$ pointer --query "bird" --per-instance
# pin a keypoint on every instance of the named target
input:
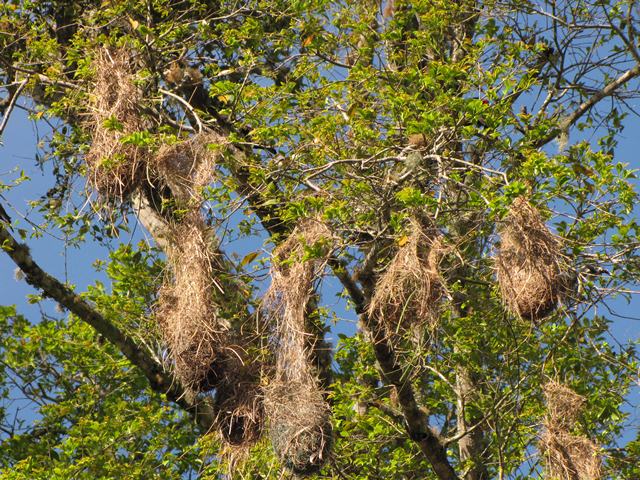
(4, 216)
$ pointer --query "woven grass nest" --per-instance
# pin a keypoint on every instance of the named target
(564, 406)
(567, 456)
(239, 404)
(408, 294)
(198, 338)
(299, 416)
(187, 311)
(206, 353)
(570, 457)
(300, 425)
(530, 267)
(114, 168)
(188, 166)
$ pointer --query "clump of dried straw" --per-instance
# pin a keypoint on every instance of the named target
(564, 406)
(300, 425)
(114, 168)
(188, 166)
(529, 263)
(567, 456)
(299, 416)
(239, 405)
(570, 457)
(197, 336)
(206, 352)
(408, 294)
(187, 310)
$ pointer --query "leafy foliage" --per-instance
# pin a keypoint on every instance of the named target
(367, 115)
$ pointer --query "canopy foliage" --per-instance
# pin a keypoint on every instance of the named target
(452, 165)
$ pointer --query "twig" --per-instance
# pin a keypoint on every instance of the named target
(608, 90)
(186, 105)
(9, 109)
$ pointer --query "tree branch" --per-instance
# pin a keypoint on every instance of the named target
(608, 90)
(12, 103)
(159, 380)
(416, 420)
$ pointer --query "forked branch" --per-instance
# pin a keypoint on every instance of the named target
(608, 90)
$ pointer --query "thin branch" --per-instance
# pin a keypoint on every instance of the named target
(339, 269)
(416, 420)
(9, 109)
(186, 105)
(608, 90)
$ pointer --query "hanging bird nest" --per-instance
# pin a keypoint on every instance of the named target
(530, 267)
(286, 302)
(239, 403)
(564, 406)
(408, 294)
(567, 456)
(570, 457)
(187, 311)
(114, 169)
(299, 416)
(300, 425)
(205, 351)
(188, 166)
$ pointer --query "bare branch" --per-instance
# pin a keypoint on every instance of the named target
(416, 420)
(186, 105)
(608, 90)
(10, 106)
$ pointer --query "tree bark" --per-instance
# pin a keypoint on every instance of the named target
(416, 420)
(471, 443)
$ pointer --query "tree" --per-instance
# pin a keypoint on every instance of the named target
(452, 164)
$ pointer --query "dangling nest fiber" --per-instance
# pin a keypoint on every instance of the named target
(186, 309)
(188, 166)
(239, 405)
(408, 294)
(567, 456)
(113, 168)
(299, 416)
(529, 263)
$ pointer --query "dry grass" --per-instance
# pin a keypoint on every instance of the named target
(529, 263)
(567, 456)
(198, 338)
(300, 425)
(186, 309)
(292, 277)
(188, 166)
(570, 457)
(206, 352)
(564, 406)
(300, 430)
(114, 169)
(408, 294)
(239, 404)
